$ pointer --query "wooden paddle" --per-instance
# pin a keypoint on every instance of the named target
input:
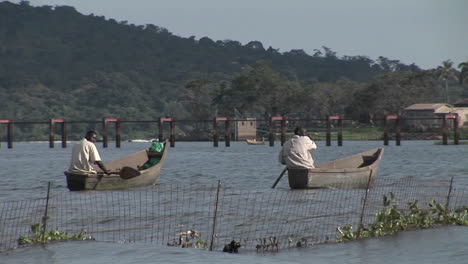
(281, 175)
(128, 173)
(124, 173)
(98, 181)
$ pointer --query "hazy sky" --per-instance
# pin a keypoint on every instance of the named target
(424, 32)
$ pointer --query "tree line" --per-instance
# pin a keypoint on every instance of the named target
(58, 63)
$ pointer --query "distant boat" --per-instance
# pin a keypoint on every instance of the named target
(350, 172)
(128, 177)
(142, 140)
(254, 142)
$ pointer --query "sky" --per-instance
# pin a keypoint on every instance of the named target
(424, 32)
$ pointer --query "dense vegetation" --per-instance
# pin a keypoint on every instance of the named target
(392, 219)
(58, 63)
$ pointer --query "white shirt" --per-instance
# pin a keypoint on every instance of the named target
(84, 154)
(295, 152)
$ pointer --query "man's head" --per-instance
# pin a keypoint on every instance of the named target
(300, 131)
(91, 136)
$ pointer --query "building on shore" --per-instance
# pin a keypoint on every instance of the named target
(425, 117)
(246, 129)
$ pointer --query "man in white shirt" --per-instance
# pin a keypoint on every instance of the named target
(295, 153)
(85, 155)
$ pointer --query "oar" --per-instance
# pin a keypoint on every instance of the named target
(124, 173)
(128, 173)
(99, 176)
(281, 175)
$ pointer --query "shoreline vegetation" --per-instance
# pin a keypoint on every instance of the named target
(393, 219)
(79, 71)
(370, 134)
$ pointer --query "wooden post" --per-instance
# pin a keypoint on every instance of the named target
(117, 131)
(455, 130)
(52, 128)
(447, 203)
(104, 133)
(51, 132)
(283, 131)
(215, 132)
(385, 135)
(398, 131)
(64, 134)
(173, 131)
(328, 134)
(444, 130)
(454, 117)
(272, 129)
(340, 131)
(45, 217)
(9, 137)
(227, 132)
(215, 215)
(364, 204)
(161, 129)
(271, 136)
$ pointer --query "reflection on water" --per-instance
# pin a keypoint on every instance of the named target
(28, 167)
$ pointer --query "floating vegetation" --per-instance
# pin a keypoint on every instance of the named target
(39, 236)
(392, 219)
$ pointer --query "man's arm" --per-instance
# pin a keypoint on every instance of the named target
(310, 144)
(96, 158)
(102, 167)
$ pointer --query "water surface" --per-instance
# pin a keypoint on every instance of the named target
(28, 167)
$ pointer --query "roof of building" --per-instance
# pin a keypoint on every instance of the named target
(462, 102)
(438, 107)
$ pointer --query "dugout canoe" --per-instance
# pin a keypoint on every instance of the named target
(350, 172)
(84, 181)
(254, 142)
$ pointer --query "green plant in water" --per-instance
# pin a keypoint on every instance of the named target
(392, 220)
(202, 244)
(38, 236)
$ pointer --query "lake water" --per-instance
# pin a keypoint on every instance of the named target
(28, 167)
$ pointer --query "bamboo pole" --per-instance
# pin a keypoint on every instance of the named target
(214, 216)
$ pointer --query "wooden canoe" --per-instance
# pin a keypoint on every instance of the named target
(254, 142)
(350, 172)
(83, 181)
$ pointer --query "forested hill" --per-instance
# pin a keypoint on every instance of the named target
(58, 63)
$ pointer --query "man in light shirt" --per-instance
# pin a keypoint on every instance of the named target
(295, 153)
(85, 155)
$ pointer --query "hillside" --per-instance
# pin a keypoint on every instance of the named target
(57, 62)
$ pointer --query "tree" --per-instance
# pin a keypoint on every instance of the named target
(103, 67)
(445, 73)
(388, 65)
(257, 89)
(392, 92)
(333, 98)
(463, 72)
(198, 98)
